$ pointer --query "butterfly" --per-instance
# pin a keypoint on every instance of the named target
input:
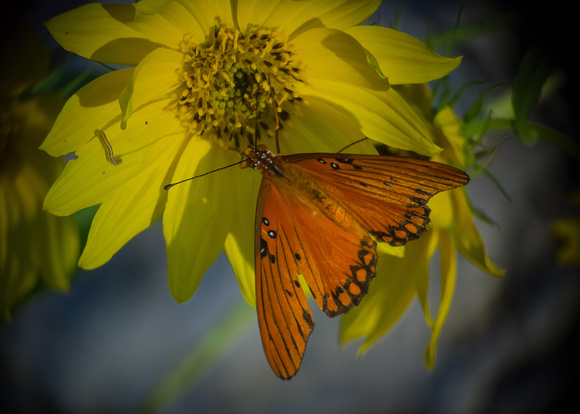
(320, 216)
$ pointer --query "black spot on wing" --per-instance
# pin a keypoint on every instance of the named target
(349, 161)
(265, 252)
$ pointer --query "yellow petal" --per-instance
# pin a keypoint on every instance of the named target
(341, 14)
(56, 246)
(239, 245)
(187, 17)
(441, 211)
(168, 25)
(289, 16)
(100, 32)
(151, 6)
(155, 78)
(322, 127)
(92, 178)
(467, 238)
(209, 14)
(448, 276)
(424, 248)
(567, 232)
(389, 296)
(332, 55)
(95, 106)
(402, 58)
(452, 141)
(197, 217)
(38, 251)
(133, 206)
(383, 116)
(386, 248)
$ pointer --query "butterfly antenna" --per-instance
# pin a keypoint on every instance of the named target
(353, 143)
(168, 186)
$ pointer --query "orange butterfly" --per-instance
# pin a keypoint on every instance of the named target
(320, 216)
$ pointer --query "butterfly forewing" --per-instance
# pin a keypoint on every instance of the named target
(388, 195)
(283, 313)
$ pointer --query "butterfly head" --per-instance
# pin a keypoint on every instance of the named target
(260, 158)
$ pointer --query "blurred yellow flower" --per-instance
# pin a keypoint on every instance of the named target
(451, 229)
(37, 250)
(207, 79)
(567, 233)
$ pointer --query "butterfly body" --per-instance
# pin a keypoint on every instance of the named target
(320, 216)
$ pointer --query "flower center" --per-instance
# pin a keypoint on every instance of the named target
(237, 81)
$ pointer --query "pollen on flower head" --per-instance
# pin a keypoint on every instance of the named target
(235, 81)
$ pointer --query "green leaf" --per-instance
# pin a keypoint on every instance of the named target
(532, 74)
(559, 140)
(497, 183)
(465, 31)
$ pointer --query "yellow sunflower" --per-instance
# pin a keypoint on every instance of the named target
(207, 79)
(37, 249)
